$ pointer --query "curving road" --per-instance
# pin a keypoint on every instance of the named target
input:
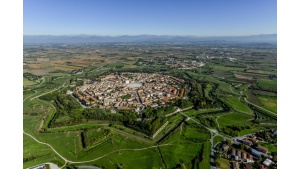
(48, 146)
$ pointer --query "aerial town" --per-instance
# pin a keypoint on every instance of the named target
(129, 91)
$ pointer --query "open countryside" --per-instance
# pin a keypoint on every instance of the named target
(167, 112)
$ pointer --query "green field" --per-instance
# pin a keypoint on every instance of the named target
(119, 150)
(249, 131)
(35, 153)
(224, 68)
(238, 119)
(193, 133)
(237, 105)
(267, 83)
(205, 164)
(193, 112)
(27, 82)
(269, 103)
(223, 86)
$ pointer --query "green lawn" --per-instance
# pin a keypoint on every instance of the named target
(269, 103)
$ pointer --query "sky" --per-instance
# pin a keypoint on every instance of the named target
(152, 17)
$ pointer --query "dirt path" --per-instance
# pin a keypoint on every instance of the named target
(233, 91)
(48, 146)
(48, 92)
(42, 82)
(137, 149)
(29, 96)
(218, 122)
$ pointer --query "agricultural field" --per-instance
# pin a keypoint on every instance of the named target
(237, 105)
(194, 112)
(225, 68)
(27, 82)
(269, 103)
(267, 83)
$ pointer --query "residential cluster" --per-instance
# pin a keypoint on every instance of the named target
(174, 63)
(186, 64)
(250, 154)
(129, 91)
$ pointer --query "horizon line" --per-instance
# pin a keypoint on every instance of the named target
(155, 35)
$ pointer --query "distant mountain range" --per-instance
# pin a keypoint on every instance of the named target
(264, 38)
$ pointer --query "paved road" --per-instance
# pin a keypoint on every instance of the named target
(212, 151)
(209, 129)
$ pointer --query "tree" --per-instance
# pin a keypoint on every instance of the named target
(242, 146)
(228, 142)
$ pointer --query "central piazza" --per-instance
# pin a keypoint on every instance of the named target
(129, 91)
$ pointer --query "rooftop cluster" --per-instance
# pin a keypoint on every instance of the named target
(129, 91)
